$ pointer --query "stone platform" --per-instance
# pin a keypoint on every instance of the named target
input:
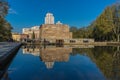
(6, 48)
(7, 53)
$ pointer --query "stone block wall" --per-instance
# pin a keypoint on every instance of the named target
(55, 31)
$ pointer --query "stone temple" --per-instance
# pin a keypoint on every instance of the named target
(49, 31)
(54, 33)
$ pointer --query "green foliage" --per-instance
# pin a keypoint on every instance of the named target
(33, 35)
(80, 33)
(105, 28)
(106, 25)
(5, 27)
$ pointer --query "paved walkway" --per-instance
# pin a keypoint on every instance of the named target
(6, 47)
(6, 50)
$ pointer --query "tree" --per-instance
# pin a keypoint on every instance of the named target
(106, 27)
(3, 8)
(5, 27)
(102, 26)
(80, 32)
(33, 35)
(116, 21)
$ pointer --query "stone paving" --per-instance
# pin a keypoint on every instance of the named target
(6, 47)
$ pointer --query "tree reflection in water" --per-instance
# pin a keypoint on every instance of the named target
(106, 58)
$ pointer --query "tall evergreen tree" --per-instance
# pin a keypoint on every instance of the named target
(33, 35)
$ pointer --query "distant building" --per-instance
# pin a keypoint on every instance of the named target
(24, 37)
(58, 22)
(49, 19)
(50, 32)
(54, 33)
(34, 31)
(16, 36)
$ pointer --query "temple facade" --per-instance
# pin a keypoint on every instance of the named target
(54, 33)
(33, 32)
(49, 31)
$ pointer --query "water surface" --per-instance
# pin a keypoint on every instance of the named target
(65, 63)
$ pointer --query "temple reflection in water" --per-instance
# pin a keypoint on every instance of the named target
(49, 55)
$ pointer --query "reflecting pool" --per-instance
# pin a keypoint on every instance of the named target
(65, 63)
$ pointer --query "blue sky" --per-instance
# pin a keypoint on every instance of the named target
(28, 13)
